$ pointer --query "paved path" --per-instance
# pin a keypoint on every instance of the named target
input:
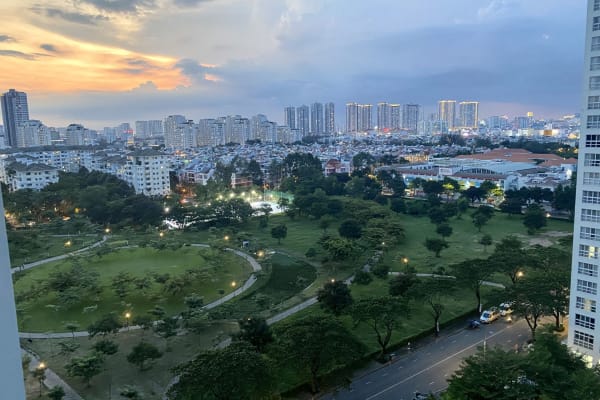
(62, 335)
(52, 379)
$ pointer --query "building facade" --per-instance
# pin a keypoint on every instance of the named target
(469, 114)
(410, 117)
(329, 118)
(384, 117)
(15, 111)
(447, 113)
(317, 122)
(147, 171)
(303, 120)
(584, 332)
(289, 117)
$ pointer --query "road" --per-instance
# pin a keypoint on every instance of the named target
(426, 369)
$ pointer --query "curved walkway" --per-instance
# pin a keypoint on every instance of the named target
(62, 335)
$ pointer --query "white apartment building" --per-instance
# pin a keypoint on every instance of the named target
(584, 331)
(148, 172)
(29, 176)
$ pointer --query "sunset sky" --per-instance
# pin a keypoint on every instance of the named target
(103, 62)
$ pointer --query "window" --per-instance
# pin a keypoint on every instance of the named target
(583, 340)
(587, 269)
(592, 160)
(588, 251)
(596, 43)
(591, 178)
(594, 82)
(592, 140)
(589, 233)
(594, 101)
(596, 5)
(590, 197)
(596, 24)
(593, 121)
(585, 321)
(590, 215)
(585, 304)
(594, 63)
(587, 286)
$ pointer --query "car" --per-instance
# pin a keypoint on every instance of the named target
(506, 308)
(489, 316)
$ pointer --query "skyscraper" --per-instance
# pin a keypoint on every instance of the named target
(329, 118)
(351, 117)
(469, 114)
(410, 117)
(11, 378)
(289, 117)
(316, 119)
(303, 120)
(384, 117)
(447, 113)
(395, 117)
(584, 332)
(14, 112)
(365, 117)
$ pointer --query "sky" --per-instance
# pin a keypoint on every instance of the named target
(103, 62)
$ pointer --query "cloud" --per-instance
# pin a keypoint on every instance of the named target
(189, 3)
(49, 47)
(496, 8)
(197, 72)
(17, 54)
(76, 17)
(6, 38)
(119, 6)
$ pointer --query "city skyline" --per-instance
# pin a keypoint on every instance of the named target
(142, 60)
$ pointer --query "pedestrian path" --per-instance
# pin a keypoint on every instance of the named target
(51, 379)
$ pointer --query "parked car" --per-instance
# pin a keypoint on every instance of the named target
(473, 324)
(506, 308)
(489, 316)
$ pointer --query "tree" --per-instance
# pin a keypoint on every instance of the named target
(472, 274)
(381, 270)
(362, 277)
(362, 163)
(121, 284)
(512, 205)
(437, 215)
(564, 199)
(444, 230)
(279, 232)
(350, 229)
(325, 222)
(339, 248)
(398, 206)
(144, 321)
(72, 327)
(534, 218)
(401, 284)
(236, 372)
(142, 352)
(482, 216)
(436, 245)
(383, 315)
(314, 344)
(334, 297)
(433, 292)
(255, 331)
(106, 325)
(485, 241)
(531, 299)
(106, 347)
(86, 367)
(166, 328)
(56, 393)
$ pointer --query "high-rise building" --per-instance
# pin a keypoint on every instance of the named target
(365, 117)
(469, 114)
(15, 111)
(316, 119)
(329, 118)
(584, 322)
(351, 117)
(447, 113)
(410, 117)
(33, 133)
(395, 117)
(173, 137)
(289, 117)
(303, 120)
(384, 117)
(11, 378)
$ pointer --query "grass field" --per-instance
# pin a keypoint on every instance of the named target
(119, 372)
(220, 269)
(45, 246)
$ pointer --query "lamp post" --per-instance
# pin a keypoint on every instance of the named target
(127, 317)
(40, 374)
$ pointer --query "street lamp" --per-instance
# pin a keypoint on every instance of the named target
(40, 374)
(127, 316)
(107, 231)
(162, 234)
(68, 243)
(226, 237)
(520, 274)
(233, 284)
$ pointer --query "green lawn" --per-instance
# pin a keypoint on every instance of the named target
(220, 269)
(119, 372)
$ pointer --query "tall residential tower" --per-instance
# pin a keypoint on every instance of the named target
(584, 332)
(14, 112)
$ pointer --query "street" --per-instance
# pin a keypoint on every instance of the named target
(426, 369)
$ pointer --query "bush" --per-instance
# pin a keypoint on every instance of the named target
(381, 271)
(362, 277)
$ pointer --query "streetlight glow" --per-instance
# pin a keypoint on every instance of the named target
(520, 274)
(233, 284)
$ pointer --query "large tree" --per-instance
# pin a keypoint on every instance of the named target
(313, 345)
(383, 315)
(255, 331)
(106, 325)
(279, 232)
(472, 274)
(143, 352)
(86, 367)
(534, 218)
(434, 292)
(436, 245)
(510, 257)
(334, 296)
(531, 297)
(236, 372)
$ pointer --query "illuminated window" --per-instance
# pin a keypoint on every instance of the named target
(587, 286)
(596, 24)
(594, 101)
(590, 215)
(583, 340)
(585, 321)
(594, 82)
(590, 197)
(594, 63)
(591, 178)
(587, 269)
(591, 160)
(588, 251)
(595, 43)
(585, 304)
